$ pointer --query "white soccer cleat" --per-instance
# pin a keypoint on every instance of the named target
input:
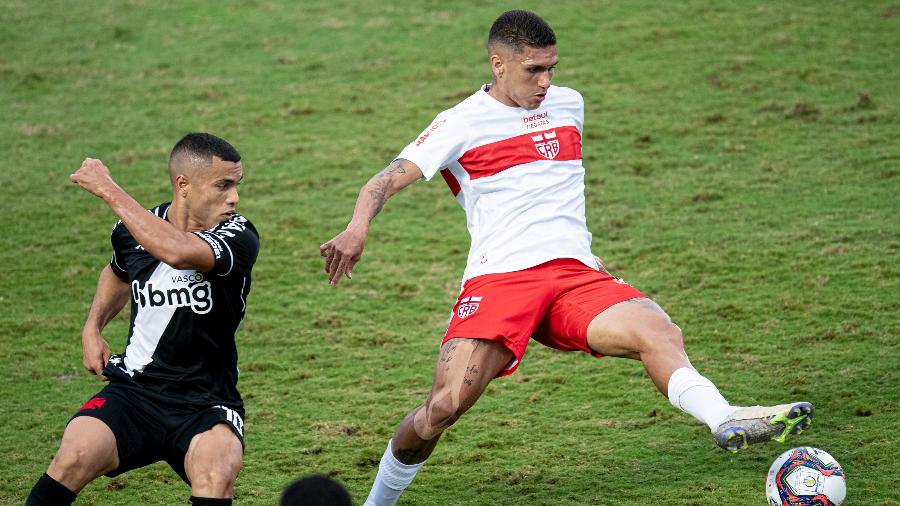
(757, 424)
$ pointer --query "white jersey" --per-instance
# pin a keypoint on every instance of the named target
(518, 175)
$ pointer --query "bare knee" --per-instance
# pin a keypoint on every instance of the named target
(664, 337)
(71, 458)
(465, 368)
(74, 466)
(444, 412)
(88, 450)
(632, 329)
(215, 477)
(438, 413)
(213, 462)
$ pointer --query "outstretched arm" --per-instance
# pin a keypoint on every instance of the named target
(180, 249)
(111, 295)
(344, 250)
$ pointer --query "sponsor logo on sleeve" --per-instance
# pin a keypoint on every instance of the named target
(231, 227)
(430, 130)
(227, 230)
(213, 243)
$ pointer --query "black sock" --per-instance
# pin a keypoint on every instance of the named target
(207, 501)
(49, 492)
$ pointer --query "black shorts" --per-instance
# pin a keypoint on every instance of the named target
(150, 427)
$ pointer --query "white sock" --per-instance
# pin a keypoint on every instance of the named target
(692, 393)
(393, 476)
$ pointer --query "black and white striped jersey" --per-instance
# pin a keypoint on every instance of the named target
(183, 322)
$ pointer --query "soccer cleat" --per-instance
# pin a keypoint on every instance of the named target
(757, 424)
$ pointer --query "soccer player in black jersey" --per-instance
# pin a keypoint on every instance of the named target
(172, 393)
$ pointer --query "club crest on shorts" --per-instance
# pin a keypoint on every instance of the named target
(468, 306)
(95, 403)
(547, 144)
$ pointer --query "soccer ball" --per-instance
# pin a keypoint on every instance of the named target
(805, 476)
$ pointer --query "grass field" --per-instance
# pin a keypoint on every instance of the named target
(743, 168)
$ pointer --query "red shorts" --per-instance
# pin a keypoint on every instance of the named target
(553, 303)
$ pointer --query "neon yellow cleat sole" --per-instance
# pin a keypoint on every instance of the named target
(758, 424)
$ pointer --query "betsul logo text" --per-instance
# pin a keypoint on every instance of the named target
(186, 290)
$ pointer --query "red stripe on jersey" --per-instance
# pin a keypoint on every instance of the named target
(562, 144)
(451, 181)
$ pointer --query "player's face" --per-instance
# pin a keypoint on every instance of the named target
(524, 77)
(214, 195)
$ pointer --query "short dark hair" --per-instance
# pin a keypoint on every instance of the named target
(196, 150)
(316, 490)
(518, 28)
(206, 146)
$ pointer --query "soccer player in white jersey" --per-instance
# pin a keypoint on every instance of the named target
(511, 154)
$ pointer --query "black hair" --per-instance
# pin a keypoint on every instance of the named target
(204, 146)
(316, 490)
(518, 28)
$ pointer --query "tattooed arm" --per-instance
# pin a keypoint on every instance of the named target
(344, 250)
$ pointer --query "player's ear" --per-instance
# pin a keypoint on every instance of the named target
(496, 65)
(181, 185)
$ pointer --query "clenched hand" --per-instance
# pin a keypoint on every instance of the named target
(96, 354)
(93, 176)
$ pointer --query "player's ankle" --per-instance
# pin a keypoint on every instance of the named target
(392, 479)
(49, 492)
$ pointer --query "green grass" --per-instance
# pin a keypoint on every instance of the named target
(742, 168)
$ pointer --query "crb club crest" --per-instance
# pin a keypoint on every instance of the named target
(468, 306)
(547, 144)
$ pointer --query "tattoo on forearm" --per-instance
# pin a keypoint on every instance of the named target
(379, 194)
(381, 183)
(394, 168)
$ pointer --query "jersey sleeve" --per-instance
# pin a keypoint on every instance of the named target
(442, 143)
(235, 245)
(117, 261)
(579, 117)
